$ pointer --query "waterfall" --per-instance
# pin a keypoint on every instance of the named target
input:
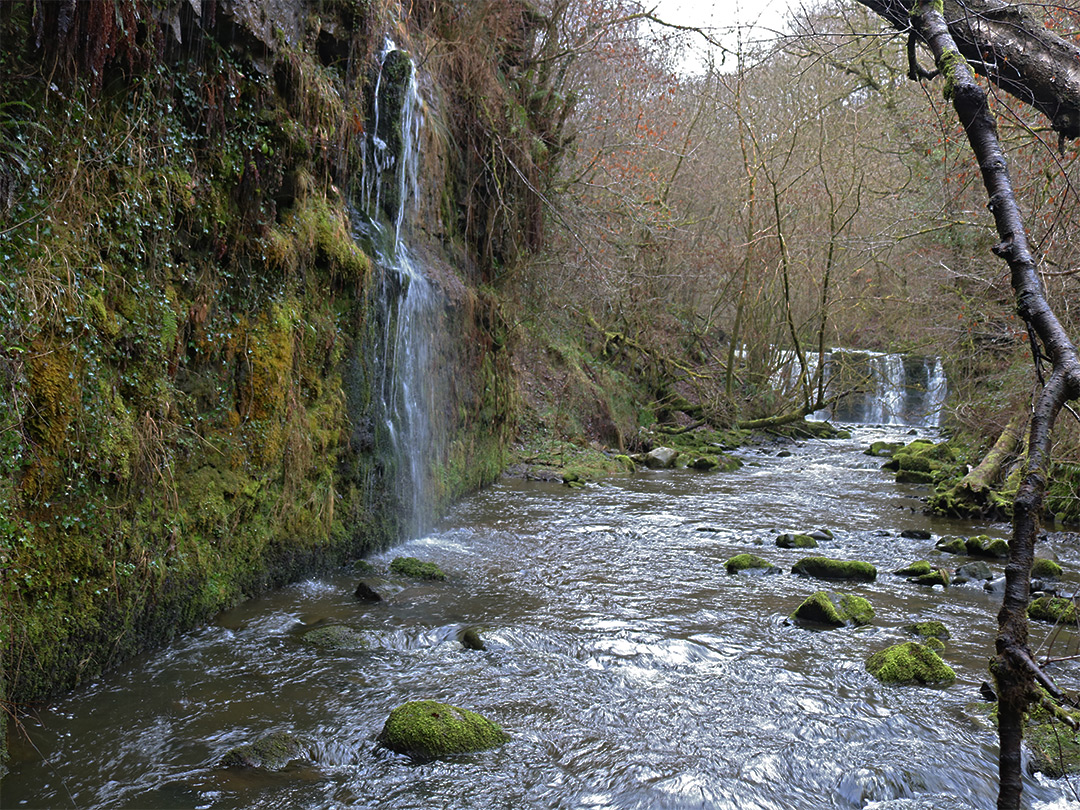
(884, 388)
(407, 306)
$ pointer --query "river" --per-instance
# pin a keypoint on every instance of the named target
(630, 669)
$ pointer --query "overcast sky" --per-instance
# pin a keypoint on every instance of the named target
(760, 18)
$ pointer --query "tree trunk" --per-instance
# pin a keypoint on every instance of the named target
(1014, 668)
(971, 495)
(1013, 50)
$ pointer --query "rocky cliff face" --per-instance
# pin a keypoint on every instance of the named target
(189, 411)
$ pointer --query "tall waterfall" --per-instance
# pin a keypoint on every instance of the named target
(407, 306)
(884, 388)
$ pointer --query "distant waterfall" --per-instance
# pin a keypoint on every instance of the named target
(884, 388)
(407, 304)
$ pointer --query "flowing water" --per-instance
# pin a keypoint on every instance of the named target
(630, 669)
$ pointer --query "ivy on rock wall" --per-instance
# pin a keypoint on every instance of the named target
(183, 311)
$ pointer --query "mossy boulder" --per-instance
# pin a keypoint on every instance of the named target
(703, 463)
(826, 568)
(270, 753)
(1055, 748)
(750, 562)
(413, 568)
(923, 462)
(939, 576)
(796, 541)
(980, 545)
(834, 609)
(1046, 569)
(425, 729)
(951, 545)
(882, 449)
(335, 637)
(916, 569)
(1053, 609)
(909, 662)
(929, 629)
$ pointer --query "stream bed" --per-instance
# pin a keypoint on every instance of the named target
(630, 669)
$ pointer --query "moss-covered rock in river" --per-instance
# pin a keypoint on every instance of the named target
(980, 545)
(1046, 569)
(928, 629)
(834, 609)
(1054, 746)
(923, 462)
(826, 568)
(270, 753)
(883, 449)
(938, 576)
(750, 562)
(977, 571)
(788, 540)
(413, 568)
(909, 662)
(1053, 609)
(425, 729)
(916, 569)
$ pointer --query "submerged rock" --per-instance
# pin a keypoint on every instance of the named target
(834, 609)
(796, 541)
(909, 662)
(270, 753)
(915, 534)
(826, 568)
(470, 639)
(415, 569)
(335, 637)
(750, 562)
(425, 729)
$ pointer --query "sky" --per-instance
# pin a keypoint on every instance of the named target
(761, 17)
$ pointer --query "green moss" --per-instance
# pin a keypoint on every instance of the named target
(1054, 746)
(415, 569)
(938, 576)
(271, 753)
(883, 448)
(1043, 568)
(425, 729)
(1053, 609)
(748, 562)
(825, 568)
(796, 541)
(835, 610)
(930, 629)
(909, 662)
(916, 569)
(948, 64)
(951, 545)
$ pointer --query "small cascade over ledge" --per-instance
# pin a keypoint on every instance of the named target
(406, 305)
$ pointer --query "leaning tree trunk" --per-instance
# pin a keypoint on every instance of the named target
(1013, 666)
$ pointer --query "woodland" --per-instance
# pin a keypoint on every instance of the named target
(641, 241)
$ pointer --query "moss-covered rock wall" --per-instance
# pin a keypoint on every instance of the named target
(186, 407)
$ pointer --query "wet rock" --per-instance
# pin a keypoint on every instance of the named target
(977, 571)
(826, 568)
(415, 569)
(916, 534)
(821, 535)
(375, 589)
(751, 563)
(270, 753)
(909, 662)
(938, 576)
(834, 609)
(996, 585)
(986, 691)
(885, 449)
(796, 541)
(661, 458)
(916, 569)
(980, 545)
(928, 629)
(335, 637)
(470, 639)
(424, 729)
(1053, 609)
(784, 454)
(572, 480)
(1046, 569)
